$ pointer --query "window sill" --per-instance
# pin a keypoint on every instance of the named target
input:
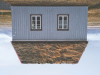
(36, 29)
(62, 29)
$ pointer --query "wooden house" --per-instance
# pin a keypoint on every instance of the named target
(49, 32)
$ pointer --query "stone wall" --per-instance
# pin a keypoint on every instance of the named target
(50, 52)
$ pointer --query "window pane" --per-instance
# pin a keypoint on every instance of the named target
(38, 22)
(65, 18)
(65, 26)
(65, 22)
(60, 26)
(38, 18)
(60, 22)
(33, 26)
(60, 18)
(38, 26)
(33, 18)
(33, 22)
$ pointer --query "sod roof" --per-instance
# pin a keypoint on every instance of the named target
(50, 52)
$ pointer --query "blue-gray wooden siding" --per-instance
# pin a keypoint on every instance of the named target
(77, 23)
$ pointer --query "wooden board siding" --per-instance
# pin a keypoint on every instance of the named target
(77, 23)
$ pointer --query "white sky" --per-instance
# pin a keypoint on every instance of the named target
(89, 63)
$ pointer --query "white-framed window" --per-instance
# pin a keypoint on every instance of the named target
(63, 22)
(36, 22)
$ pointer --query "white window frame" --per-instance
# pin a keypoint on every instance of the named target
(63, 22)
(36, 21)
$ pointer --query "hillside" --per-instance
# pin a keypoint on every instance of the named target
(90, 3)
(93, 8)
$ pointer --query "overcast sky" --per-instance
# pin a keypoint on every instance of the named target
(89, 63)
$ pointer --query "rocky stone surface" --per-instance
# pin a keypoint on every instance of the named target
(4, 5)
(50, 52)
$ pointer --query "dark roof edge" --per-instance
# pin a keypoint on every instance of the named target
(47, 41)
(49, 5)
